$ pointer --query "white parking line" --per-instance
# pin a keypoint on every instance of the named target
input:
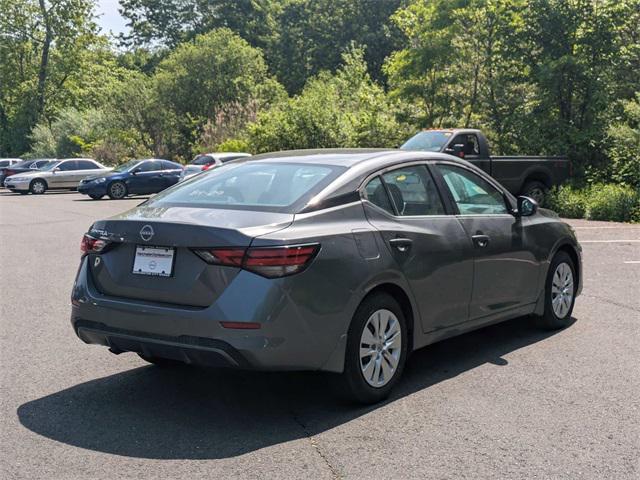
(609, 241)
(632, 261)
(625, 227)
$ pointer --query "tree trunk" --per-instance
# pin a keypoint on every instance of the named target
(44, 60)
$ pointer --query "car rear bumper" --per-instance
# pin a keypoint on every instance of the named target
(288, 338)
(193, 350)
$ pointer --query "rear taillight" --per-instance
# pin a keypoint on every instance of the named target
(90, 244)
(270, 262)
(8, 173)
(208, 166)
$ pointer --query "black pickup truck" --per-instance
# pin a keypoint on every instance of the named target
(529, 176)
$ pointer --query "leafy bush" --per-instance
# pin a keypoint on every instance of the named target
(613, 203)
(610, 202)
(624, 145)
(567, 202)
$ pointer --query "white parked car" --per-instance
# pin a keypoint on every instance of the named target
(206, 161)
(60, 175)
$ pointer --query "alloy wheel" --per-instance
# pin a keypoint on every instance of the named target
(562, 290)
(380, 348)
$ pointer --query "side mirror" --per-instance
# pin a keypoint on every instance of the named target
(526, 207)
(456, 150)
(57, 169)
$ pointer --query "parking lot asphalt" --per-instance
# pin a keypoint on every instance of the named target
(509, 401)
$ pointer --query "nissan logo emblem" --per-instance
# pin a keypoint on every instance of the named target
(147, 233)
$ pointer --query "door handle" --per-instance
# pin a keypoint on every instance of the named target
(402, 244)
(480, 241)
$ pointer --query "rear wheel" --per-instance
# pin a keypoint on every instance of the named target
(376, 350)
(161, 362)
(560, 292)
(117, 190)
(38, 186)
(536, 190)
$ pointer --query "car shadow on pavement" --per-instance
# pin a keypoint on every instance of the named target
(189, 413)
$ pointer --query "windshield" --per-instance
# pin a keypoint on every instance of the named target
(431, 141)
(279, 187)
(126, 166)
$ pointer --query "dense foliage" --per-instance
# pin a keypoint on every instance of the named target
(539, 76)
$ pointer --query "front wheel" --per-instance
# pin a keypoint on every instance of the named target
(376, 350)
(560, 292)
(38, 187)
(117, 191)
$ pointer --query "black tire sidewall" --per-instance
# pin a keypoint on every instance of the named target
(353, 381)
(535, 184)
(550, 319)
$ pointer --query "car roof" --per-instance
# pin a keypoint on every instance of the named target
(347, 157)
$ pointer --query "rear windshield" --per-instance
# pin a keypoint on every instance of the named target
(278, 187)
(203, 160)
(430, 141)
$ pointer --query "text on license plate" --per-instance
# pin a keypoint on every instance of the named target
(156, 261)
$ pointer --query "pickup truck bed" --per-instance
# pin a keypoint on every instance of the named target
(531, 176)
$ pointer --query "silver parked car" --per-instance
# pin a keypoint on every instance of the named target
(341, 261)
(59, 175)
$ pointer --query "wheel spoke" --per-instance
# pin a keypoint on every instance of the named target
(367, 338)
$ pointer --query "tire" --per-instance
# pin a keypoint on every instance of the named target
(536, 190)
(96, 197)
(162, 362)
(352, 382)
(38, 186)
(117, 190)
(559, 293)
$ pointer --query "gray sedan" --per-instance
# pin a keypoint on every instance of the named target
(343, 261)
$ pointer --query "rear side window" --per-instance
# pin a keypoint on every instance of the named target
(472, 194)
(413, 191)
(5, 163)
(283, 187)
(377, 194)
(86, 165)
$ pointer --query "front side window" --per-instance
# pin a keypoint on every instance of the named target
(148, 166)
(281, 187)
(68, 166)
(472, 194)
(377, 194)
(413, 191)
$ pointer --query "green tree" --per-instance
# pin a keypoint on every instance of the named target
(345, 109)
(214, 74)
(40, 45)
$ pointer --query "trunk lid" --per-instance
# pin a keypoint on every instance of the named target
(192, 282)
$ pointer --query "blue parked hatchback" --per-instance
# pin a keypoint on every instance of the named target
(134, 177)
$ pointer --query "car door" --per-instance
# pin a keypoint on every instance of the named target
(146, 178)
(428, 243)
(505, 268)
(62, 175)
(170, 173)
(84, 169)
